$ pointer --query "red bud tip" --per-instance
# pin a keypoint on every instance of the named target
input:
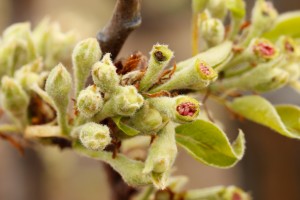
(186, 109)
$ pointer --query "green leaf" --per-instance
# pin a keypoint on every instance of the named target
(125, 128)
(286, 24)
(290, 116)
(210, 145)
(282, 119)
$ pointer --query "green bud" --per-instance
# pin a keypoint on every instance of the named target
(233, 193)
(58, 86)
(160, 57)
(85, 54)
(105, 76)
(288, 46)
(147, 120)
(181, 109)
(196, 76)
(94, 136)
(217, 8)
(27, 75)
(199, 5)
(263, 18)
(25, 49)
(89, 101)
(213, 31)
(7, 59)
(161, 155)
(14, 100)
(125, 102)
(53, 45)
(237, 10)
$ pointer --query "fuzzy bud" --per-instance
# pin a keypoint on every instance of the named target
(127, 100)
(196, 76)
(263, 49)
(94, 136)
(160, 56)
(105, 76)
(85, 54)
(217, 8)
(213, 31)
(162, 154)
(234, 193)
(181, 109)
(89, 101)
(147, 120)
(58, 86)
(14, 100)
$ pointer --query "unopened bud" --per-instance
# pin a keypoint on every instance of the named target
(94, 136)
(160, 56)
(105, 76)
(213, 31)
(264, 49)
(147, 120)
(234, 193)
(58, 86)
(14, 100)
(89, 101)
(217, 8)
(85, 54)
(196, 76)
(162, 154)
(180, 109)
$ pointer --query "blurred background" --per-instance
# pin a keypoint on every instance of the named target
(270, 169)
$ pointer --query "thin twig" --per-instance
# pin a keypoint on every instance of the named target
(126, 18)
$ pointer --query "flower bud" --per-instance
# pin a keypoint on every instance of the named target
(213, 31)
(199, 5)
(89, 101)
(196, 76)
(264, 49)
(27, 75)
(127, 101)
(162, 154)
(51, 44)
(25, 49)
(94, 136)
(181, 109)
(263, 15)
(58, 86)
(234, 193)
(217, 8)
(288, 46)
(160, 56)
(263, 18)
(85, 54)
(7, 62)
(147, 120)
(14, 100)
(105, 76)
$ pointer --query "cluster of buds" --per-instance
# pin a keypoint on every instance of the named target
(257, 63)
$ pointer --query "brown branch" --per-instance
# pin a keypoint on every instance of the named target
(126, 18)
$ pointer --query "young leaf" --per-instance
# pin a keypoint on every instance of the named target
(125, 128)
(210, 145)
(285, 25)
(290, 116)
(282, 119)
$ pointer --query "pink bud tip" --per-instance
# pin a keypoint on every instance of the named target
(265, 49)
(186, 109)
(204, 69)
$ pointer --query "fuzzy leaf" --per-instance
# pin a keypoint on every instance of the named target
(125, 128)
(286, 24)
(282, 119)
(210, 145)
